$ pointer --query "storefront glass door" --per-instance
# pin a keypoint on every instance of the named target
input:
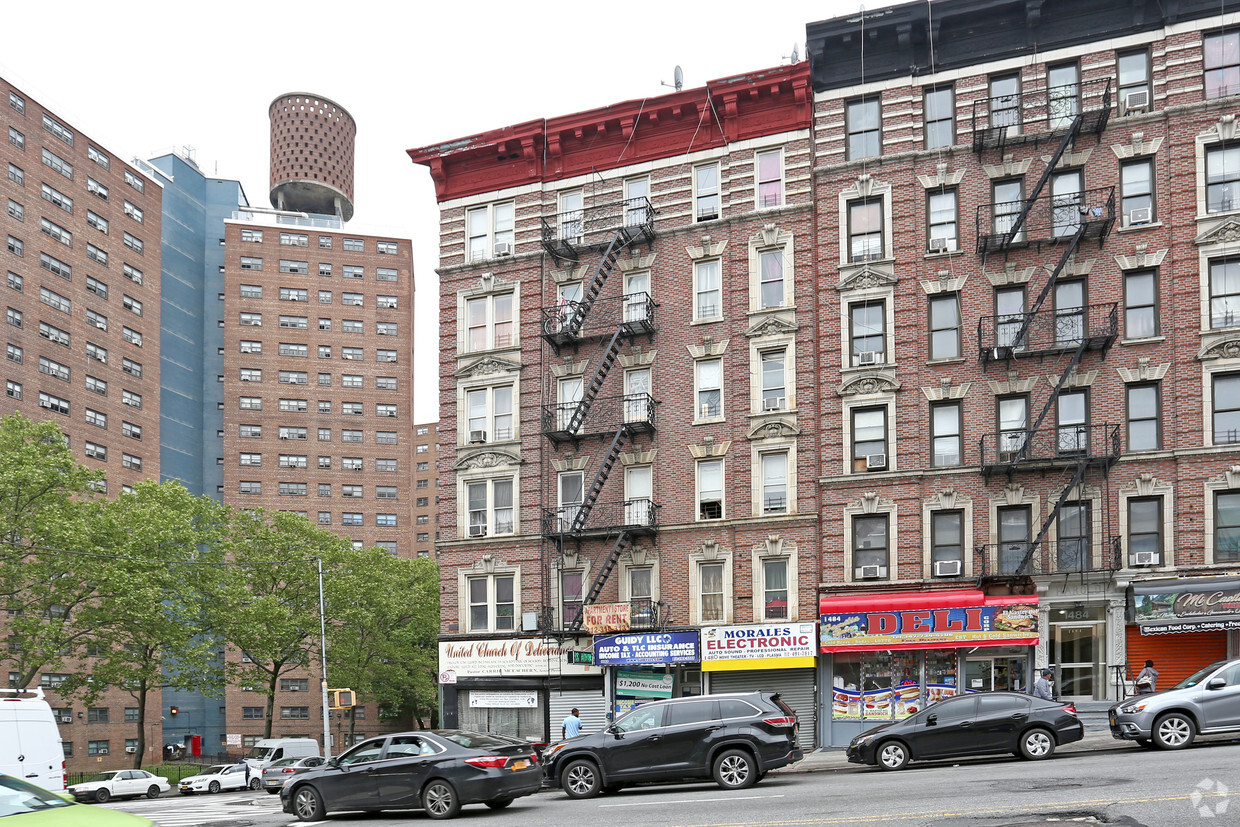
(1076, 649)
(1001, 674)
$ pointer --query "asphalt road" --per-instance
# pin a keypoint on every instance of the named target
(1125, 787)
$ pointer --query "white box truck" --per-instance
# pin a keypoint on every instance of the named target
(30, 746)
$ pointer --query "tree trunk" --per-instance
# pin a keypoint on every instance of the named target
(141, 753)
(271, 701)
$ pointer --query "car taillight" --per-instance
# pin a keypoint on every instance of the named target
(488, 761)
(533, 758)
(288, 769)
(1070, 709)
(784, 721)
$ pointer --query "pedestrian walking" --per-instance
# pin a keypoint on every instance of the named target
(1042, 689)
(571, 727)
(1147, 679)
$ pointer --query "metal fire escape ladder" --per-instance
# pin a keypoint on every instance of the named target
(596, 384)
(623, 541)
(600, 477)
(1073, 131)
(622, 239)
(1079, 474)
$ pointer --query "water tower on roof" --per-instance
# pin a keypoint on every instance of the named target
(312, 142)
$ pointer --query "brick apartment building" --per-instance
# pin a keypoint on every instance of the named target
(952, 364)
(425, 488)
(82, 327)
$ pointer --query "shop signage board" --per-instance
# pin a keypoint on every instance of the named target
(601, 618)
(654, 648)
(758, 646)
(643, 685)
(487, 699)
(510, 658)
(1187, 605)
(1006, 624)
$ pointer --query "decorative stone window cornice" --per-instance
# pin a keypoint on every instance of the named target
(871, 502)
(1219, 346)
(941, 178)
(1225, 231)
(1144, 371)
(489, 283)
(770, 236)
(947, 282)
(775, 324)
(1071, 159)
(867, 276)
(628, 265)
(639, 457)
(1074, 268)
(1010, 274)
(1013, 384)
(779, 428)
(1074, 380)
(868, 382)
(1141, 259)
(565, 275)
(488, 564)
(709, 347)
(707, 249)
(947, 500)
(485, 458)
(570, 462)
(1138, 147)
(946, 390)
(709, 448)
(487, 366)
(1010, 168)
(1145, 485)
(637, 359)
(577, 368)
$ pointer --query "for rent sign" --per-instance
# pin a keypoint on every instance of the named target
(758, 646)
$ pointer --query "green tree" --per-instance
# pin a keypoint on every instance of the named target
(383, 617)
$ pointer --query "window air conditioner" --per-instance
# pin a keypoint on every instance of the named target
(1136, 217)
(938, 245)
(502, 248)
(294, 688)
(706, 410)
(477, 531)
(1145, 558)
(875, 462)
(68, 719)
(773, 404)
(131, 750)
(102, 751)
(1136, 102)
(872, 572)
(477, 437)
(998, 353)
(867, 357)
(946, 568)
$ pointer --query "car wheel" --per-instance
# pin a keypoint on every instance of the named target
(213, 787)
(255, 783)
(152, 791)
(735, 770)
(308, 804)
(439, 799)
(580, 780)
(892, 755)
(1174, 731)
(102, 795)
(499, 803)
(1037, 744)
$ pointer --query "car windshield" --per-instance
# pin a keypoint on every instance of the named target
(17, 797)
(1199, 676)
(216, 770)
(476, 740)
(261, 753)
(103, 776)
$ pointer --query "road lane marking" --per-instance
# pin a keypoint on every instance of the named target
(663, 802)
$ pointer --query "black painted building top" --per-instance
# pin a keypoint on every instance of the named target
(896, 41)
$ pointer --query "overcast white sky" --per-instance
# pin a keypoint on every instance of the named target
(143, 78)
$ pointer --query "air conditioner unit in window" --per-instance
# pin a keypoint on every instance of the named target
(998, 353)
(477, 531)
(1136, 102)
(868, 357)
(1137, 217)
(503, 248)
(68, 719)
(938, 245)
(477, 437)
(1145, 558)
(131, 750)
(773, 404)
(875, 462)
(946, 568)
(294, 688)
(872, 572)
(101, 751)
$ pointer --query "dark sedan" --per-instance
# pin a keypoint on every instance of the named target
(437, 771)
(982, 724)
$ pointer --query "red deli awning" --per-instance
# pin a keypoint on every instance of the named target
(926, 620)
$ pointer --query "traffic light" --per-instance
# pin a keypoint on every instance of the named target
(340, 698)
(173, 711)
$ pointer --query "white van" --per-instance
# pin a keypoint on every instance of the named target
(29, 739)
(269, 750)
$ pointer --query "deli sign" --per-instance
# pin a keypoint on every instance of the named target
(956, 626)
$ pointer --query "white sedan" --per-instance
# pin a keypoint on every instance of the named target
(119, 784)
(221, 777)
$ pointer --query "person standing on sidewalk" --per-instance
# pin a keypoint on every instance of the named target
(1147, 679)
(571, 727)
(1042, 689)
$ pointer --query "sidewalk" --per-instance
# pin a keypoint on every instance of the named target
(831, 759)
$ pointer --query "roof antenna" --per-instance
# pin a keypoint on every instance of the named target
(678, 80)
(795, 57)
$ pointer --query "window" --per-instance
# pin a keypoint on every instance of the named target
(1134, 82)
(133, 242)
(57, 198)
(294, 322)
(351, 354)
(943, 236)
(293, 405)
(940, 115)
(1144, 432)
(128, 429)
(708, 290)
(351, 326)
(863, 127)
(93, 384)
(325, 324)
(385, 274)
(773, 365)
(709, 380)
(299, 713)
(1013, 412)
(1225, 293)
(710, 489)
(287, 432)
(870, 547)
(570, 215)
(351, 408)
(97, 189)
(1005, 102)
(946, 439)
(706, 195)
(54, 334)
(13, 353)
(1226, 409)
(1140, 304)
(490, 230)
(865, 230)
(385, 520)
(770, 169)
(325, 379)
(97, 451)
(287, 349)
(292, 489)
(13, 317)
(350, 435)
(325, 269)
(131, 367)
(55, 300)
(300, 267)
(1063, 82)
(1222, 178)
(1227, 527)
(1137, 192)
(16, 138)
(99, 420)
(1073, 551)
(1007, 196)
(17, 211)
(771, 267)
(251, 431)
(130, 461)
(133, 212)
(386, 248)
(255, 460)
(132, 305)
(385, 328)
(56, 232)
(17, 176)
(54, 403)
(351, 380)
(711, 593)
(1010, 316)
(51, 159)
(351, 300)
(490, 507)
(292, 294)
(869, 436)
(868, 323)
(293, 377)
(133, 400)
(12, 389)
(489, 322)
(16, 247)
(294, 240)
(385, 438)
(945, 326)
(492, 603)
(54, 266)
(251, 319)
(56, 370)
(95, 254)
(1066, 190)
(132, 273)
(775, 483)
(385, 302)
(947, 540)
(1145, 529)
(385, 383)
(384, 409)
(131, 336)
(353, 271)
(251, 375)
(1221, 54)
(251, 346)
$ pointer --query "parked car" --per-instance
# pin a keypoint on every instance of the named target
(30, 745)
(734, 738)
(1205, 703)
(438, 771)
(220, 777)
(22, 804)
(120, 784)
(985, 723)
(276, 775)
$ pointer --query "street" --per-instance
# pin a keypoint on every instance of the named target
(1126, 785)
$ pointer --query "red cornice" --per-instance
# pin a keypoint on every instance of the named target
(730, 109)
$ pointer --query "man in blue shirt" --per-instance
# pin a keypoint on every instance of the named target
(571, 727)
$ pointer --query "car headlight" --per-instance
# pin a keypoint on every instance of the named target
(550, 753)
(862, 739)
(1133, 708)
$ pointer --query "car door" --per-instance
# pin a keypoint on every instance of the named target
(233, 778)
(405, 766)
(946, 729)
(123, 783)
(634, 745)
(690, 729)
(1220, 705)
(998, 721)
(350, 784)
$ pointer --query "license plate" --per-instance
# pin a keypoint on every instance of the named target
(520, 765)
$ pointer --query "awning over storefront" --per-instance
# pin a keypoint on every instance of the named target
(927, 620)
(1188, 604)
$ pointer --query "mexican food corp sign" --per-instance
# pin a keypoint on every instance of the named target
(758, 646)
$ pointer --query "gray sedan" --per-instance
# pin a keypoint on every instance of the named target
(1205, 703)
(276, 774)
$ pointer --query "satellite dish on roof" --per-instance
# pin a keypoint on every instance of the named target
(795, 57)
(678, 80)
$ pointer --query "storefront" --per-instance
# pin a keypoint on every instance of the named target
(642, 667)
(766, 658)
(886, 656)
(1183, 624)
(520, 687)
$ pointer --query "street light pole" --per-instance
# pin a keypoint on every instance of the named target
(327, 732)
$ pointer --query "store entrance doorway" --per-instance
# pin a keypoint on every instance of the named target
(1002, 674)
(1076, 649)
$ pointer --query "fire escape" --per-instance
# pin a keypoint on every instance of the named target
(612, 420)
(1059, 219)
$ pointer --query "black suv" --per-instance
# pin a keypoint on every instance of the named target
(734, 738)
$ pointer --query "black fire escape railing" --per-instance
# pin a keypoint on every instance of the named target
(633, 311)
(639, 515)
(633, 410)
(1050, 447)
(1066, 556)
(1017, 335)
(1041, 115)
(1049, 219)
(567, 235)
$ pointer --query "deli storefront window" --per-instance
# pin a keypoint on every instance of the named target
(890, 685)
